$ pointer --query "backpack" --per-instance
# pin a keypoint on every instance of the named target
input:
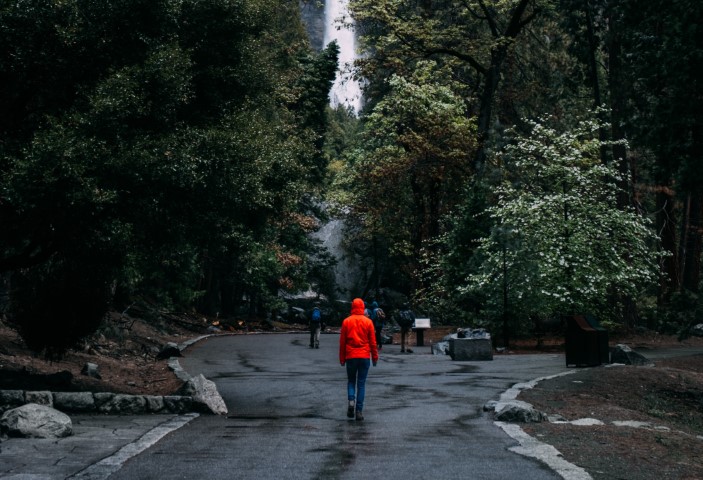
(316, 315)
(377, 316)
(406, 319)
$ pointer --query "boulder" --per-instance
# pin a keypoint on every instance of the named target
(623, 354)
(204, 392)
(168, 351)
(91, 370)
(518, 411)
(697, 330)
(440, 348)
(37, 421)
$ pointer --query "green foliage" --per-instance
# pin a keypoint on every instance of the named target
(58, 303)
(411, 164)
(450, 260)
(681, 314)
(176, 138)
(559, 243)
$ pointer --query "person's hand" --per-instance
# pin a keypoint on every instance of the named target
(374, 363)
(341, 363)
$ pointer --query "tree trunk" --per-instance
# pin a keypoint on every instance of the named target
(666, 226)
(593, 74)
(492, 75)
(693, 240)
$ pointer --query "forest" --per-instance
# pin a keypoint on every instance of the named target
(514, 160)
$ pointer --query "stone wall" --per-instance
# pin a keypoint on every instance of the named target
(109, 403)
(114, 403)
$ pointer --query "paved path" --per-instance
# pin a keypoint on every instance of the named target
(288, 419)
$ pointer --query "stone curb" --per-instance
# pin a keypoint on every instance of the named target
(531, 447)
(110, 403)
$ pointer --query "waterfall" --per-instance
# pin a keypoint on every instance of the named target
(340, 26)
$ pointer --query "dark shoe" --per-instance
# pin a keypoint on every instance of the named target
(402, 351)
(410, 351)
(359, 416)
(350, 410)
(317, 346)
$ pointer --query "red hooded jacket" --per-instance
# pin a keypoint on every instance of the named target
(358, 339)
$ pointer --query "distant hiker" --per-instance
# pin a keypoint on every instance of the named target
(315, 326)
(378, 318)
(406, 320)
(357, 350)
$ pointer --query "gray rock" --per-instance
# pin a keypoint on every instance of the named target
(154, 404)
(74, 401)
(623, 354)
(518, 411)
(37, 421)
(178, 404)
(204, 392)
(102, 398)
(440, 348)
(168, 351)
(490, 406)
(175, 366)
(124, 405)
(11, 399)
(91, 370)
(697, 330)
(40, 398)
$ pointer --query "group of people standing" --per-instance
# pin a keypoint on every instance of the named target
(359, 343)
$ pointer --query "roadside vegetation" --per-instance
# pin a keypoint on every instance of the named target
(515, 161)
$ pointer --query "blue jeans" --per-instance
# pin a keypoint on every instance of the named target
(357, 370)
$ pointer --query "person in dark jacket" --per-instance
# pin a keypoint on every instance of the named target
(377, 316)
(406, 320)
(315, 326)
(357, 350)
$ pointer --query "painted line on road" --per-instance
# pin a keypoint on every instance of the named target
(530, 446)
(109, 465)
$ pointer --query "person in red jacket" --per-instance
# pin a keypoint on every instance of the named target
(357, 349)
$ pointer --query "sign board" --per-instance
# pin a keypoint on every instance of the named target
(422, 323)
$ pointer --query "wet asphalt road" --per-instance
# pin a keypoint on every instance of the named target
(287, 417)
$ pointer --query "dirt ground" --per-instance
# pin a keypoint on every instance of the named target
(125, 352)
(668, 396)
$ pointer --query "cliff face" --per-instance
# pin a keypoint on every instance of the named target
(313, 15)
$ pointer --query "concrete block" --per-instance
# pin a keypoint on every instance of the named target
(470, 349)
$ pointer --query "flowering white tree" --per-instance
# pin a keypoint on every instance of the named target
(560, 244)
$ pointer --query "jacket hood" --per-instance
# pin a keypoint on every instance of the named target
(374, 305)
(357, 307)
